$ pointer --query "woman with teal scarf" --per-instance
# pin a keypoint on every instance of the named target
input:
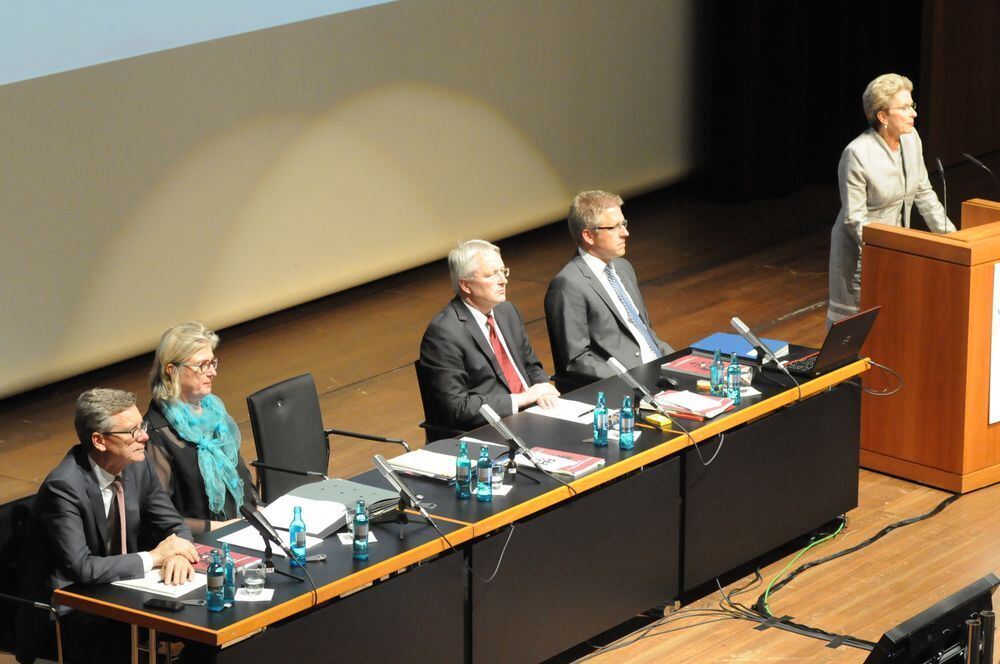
(193, 442)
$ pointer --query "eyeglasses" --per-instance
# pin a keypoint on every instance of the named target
(142, 427)
(908, 107)
(495, 276)
(622, 224)
(203, 367)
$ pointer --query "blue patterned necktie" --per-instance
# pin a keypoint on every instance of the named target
(633, 314)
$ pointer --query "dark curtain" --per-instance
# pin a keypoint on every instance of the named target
(786, 82)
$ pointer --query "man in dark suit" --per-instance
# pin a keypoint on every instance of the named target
(85, 527)
(476, 349)
(593, 307)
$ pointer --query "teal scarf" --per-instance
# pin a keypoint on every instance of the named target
(217, 438)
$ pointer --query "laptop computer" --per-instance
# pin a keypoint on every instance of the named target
(841, 347)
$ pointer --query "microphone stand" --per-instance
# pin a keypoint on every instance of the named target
(269, 563)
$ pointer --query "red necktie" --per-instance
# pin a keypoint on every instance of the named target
(509, 373)
(120, 501)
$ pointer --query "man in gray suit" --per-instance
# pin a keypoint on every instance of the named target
(593, 307)
(86, 523)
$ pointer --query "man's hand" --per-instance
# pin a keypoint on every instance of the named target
(544, 394)
(177, 570)
(173, 546)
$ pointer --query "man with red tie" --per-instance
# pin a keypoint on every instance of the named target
(476, 349)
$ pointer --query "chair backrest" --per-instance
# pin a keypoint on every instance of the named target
(288, 431)
(434, 430)
(14, 517)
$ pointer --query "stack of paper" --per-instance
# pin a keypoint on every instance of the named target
(684, 401)
(425, 463)
(322, 517)
(152, 582)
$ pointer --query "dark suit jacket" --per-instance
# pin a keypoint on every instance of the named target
(67, 536)
(584, 326)
(464, 374)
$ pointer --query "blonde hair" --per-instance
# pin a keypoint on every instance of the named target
(176, 345)
(879, 93)
(586, 209)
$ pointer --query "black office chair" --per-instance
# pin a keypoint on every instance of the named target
(432, 431)
(293, 448)
(14, 517)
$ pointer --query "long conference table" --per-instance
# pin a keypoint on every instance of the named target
(653, 523)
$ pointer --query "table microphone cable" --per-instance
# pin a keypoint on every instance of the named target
(886, 392)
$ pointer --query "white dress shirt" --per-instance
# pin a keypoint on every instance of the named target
(597, 267)
(480, 319)
(105, 480)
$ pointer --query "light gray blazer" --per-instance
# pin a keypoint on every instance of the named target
(876, 185)
(585, 328)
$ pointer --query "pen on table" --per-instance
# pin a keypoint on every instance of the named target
(586, 412)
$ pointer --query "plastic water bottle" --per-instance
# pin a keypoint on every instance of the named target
(360, 531)
(733, 380)
(229, 576)
(215, 583)
(717, 375)
(484, 475)
(297, 538)
(601, 422)
(626, 425)
(463, 472)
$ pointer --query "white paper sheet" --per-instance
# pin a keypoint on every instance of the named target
(152, 583)
(248, 538)
(320, 516)
(568, 410)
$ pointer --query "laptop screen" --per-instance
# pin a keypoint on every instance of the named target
(844, 340)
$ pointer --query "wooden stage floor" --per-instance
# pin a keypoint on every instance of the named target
(699, 265)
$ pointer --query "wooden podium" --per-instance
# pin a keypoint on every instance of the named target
(935, 329)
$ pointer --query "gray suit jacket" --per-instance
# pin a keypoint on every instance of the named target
(67, 537)
(463, 373)
(876, 185)
(585, 328)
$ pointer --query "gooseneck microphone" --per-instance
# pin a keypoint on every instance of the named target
(764, 353)
(397, 483)
(267, 532)
(762, 349)
(623, 373)
(944, 185)
(983, 166)
(493, 419)
(260, 523)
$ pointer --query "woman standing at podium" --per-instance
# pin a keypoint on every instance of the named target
(882, 176)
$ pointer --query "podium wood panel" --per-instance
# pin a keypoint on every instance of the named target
(978, 212)
(935, 330)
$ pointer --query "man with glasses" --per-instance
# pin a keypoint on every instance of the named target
(86, 522)
(476, 349)
(593, 307)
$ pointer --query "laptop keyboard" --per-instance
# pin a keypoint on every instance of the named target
(803, 367)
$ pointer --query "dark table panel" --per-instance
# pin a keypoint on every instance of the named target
(774, 480)
(577, 569)
(417, 616)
